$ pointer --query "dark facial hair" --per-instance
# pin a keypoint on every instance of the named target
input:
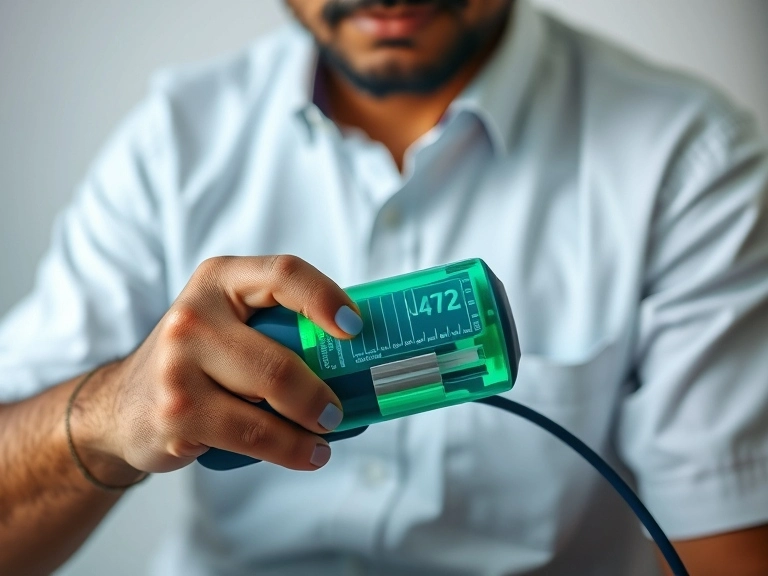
(420, 81)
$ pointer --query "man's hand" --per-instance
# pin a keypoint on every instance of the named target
(182, 391)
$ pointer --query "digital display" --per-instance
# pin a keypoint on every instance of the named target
(406, 321)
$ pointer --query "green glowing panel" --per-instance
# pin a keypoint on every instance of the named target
(432, 338)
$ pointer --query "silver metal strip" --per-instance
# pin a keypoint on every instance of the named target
(459, 359)
(406, 374)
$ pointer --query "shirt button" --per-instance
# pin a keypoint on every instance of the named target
(354, 567)
(391, 217)
(374, 473)
(315, 117)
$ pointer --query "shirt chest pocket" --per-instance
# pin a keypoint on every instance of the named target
(507, 474)
(586, 385)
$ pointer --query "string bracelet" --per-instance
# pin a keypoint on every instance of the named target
(79, 463)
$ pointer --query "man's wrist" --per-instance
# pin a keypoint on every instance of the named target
(88, 422)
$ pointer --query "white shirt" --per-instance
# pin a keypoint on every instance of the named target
(625, 209)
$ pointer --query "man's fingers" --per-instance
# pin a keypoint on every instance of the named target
(203, 329)
(234, 425)
(202, 356)
(248, 363)
(249, 283)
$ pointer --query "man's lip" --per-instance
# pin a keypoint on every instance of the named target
(395, 22)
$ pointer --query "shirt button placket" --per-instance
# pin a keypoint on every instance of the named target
(386, 242)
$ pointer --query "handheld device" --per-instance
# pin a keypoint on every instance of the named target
(430, 339)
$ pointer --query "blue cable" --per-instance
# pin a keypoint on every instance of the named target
(665, 546)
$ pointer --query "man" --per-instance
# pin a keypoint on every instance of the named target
(624, 208)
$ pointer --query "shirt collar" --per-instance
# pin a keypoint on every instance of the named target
(495, 96)
(302, 88)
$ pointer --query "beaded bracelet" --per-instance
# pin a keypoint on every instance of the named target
(78, 463)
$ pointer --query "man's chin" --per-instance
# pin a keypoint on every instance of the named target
(412, 65)
(394, 76)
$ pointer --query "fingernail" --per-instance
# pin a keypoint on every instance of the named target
(320, 455)
(331, 417)
(349, 321)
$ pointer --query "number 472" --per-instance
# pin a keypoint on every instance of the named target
(426, 303)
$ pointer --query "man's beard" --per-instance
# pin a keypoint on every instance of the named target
(470, 44)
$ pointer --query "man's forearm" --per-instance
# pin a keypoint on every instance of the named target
(47, 508)
(738, 553)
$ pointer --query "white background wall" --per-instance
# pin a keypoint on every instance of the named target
(70, 70)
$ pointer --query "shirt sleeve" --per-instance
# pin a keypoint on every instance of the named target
(695, 432)
(100, 288)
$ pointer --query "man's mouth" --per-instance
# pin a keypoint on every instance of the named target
(389, 20)
(397, 22)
